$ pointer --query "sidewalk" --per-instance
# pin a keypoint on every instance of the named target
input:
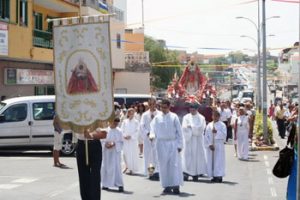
(279, 143)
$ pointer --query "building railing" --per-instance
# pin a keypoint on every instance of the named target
(95, 4)
(137, 57)
(42, 39)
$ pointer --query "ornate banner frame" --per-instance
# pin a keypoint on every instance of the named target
(83, 72)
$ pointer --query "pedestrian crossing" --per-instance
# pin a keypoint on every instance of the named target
(14, 182)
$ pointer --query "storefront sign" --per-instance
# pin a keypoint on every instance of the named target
(3, 39)
(28, 77)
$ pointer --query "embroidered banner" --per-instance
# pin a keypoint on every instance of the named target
(83, 73)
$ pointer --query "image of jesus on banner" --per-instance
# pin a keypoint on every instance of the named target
(81, 80)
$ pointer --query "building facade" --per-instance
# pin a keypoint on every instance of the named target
(135, 78)
(26, 46)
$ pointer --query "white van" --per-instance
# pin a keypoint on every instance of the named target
(26, 122)
(129, 99)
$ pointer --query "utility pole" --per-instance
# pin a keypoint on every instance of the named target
(258, 77)
(264, 105)
(143, 25)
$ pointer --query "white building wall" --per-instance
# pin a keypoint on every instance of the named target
(132, 82)
(116, 27)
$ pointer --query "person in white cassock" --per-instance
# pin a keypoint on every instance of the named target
(194, 161)
(215, 137)
(169, 143)
(130, 128)
(241, 134)
(150, 157)
(111, 172)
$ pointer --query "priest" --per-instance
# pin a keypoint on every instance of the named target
(169, 143)
(193, 126)
(150, 158)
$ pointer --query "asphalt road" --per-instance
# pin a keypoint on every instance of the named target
(31, 176)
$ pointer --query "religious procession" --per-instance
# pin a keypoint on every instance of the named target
(93, 106)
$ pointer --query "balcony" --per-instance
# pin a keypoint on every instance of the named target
(42, 39)
(137, 61)
(119, 14)
(136, 57)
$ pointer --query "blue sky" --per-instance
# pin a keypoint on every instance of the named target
(193, 25)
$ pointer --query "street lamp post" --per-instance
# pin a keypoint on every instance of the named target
(258, 43)
(258, 83)
(264, 52)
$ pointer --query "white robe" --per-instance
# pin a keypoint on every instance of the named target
(138, 117)
(242, 135)
(111, 172)
(150, 156)
(167, 130)
(194, 161)
(219, 152)
(130, 148)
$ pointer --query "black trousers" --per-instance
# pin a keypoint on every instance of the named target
(89, 175)
(229, 130)
(281, 127)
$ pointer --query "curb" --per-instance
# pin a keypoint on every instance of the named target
(253, 147)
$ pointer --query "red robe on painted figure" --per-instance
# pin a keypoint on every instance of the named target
(192, 75)
(81, 81)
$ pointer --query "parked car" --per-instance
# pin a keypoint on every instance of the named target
(249, 94)
(26, 122)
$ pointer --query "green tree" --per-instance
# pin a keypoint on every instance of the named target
(161, 76)
(238, 57)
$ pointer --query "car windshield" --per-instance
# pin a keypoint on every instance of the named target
(2, 105)
(247, 94)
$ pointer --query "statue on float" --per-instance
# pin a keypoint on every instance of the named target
(191, 85)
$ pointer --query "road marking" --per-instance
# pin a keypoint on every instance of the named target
(270, 180)
(265, 157)
(273, 192)
(267, 163)
(57, 192)
(24, 180)
(8, 186)
(269, 172)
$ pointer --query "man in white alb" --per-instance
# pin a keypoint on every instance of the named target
(151, 165)
(169, 143)
(193, 126)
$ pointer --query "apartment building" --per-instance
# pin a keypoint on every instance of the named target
(26, 46)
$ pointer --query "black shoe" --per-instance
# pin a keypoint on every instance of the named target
(154, 177)
(213, 180)
(176, 190)
(219, 180)
(185, 176)
(167, 190)
(195, 178)
(104, 188)
(121, 189)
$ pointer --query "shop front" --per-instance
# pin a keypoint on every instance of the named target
(19, 78)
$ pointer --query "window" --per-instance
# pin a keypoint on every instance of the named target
(50, 24)
(118, 41)
(2, 105)
(23, 5)
(44, 90)
(4, 9)
(43, 111)
(38, 21)
(16, 113)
